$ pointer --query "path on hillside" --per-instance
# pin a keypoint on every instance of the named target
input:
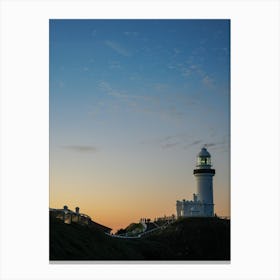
(146, 232)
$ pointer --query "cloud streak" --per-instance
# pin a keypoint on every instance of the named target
(192, 66)
(170, 145)
(196, 142)
(172, 141)
(149, 104)
(117, 48)
(106, 87)
(207, 81)
(80, 148)
(131, 33)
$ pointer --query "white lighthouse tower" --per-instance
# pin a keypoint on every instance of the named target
(204, 177)
(202, 204)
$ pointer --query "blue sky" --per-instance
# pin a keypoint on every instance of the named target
(131, 104)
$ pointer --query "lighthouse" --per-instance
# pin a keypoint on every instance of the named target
(204, 182)
(202, 204)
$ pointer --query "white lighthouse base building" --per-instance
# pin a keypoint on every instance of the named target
(194, 208)
(202, 203)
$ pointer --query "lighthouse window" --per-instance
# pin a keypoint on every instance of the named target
(204, 161)
(201, 161)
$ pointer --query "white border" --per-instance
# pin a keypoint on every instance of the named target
(254, 143)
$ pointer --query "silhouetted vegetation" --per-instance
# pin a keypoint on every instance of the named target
(121, 231)
(185, 239)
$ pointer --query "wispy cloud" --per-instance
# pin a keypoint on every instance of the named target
(192, 66)
(176, 51)
(106, 87)
(160, 86)
(195, 142)
(203, 41)
(207, 81)
(135, 77)
(61, 84)
(114, 65)
(219, 145)
(169, 141)
(117, 48)
(211, 144)
(164, 106)
(186, 141)
(172, 141)
(131, 33)
(222, 50)
(198, 70)
(187, 69)
(170, 145)
(172, 112)
(191, 69)
(93, 32)
(121, 94)
(80, 148)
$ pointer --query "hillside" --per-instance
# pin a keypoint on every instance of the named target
(186, 239)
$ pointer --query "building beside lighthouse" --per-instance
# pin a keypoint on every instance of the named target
(202, 204)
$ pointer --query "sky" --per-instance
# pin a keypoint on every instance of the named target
(132, 102)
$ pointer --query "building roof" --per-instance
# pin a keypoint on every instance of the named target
(204, 153)
(102, 227)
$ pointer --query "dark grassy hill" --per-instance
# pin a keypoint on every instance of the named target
(80, 242)
(186, 239)
(196, 239)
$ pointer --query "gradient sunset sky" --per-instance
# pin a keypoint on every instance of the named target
(131, 104)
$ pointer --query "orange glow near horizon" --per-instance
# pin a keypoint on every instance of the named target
(119, 211)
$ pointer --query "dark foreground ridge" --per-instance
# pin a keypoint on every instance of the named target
(185, 239)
